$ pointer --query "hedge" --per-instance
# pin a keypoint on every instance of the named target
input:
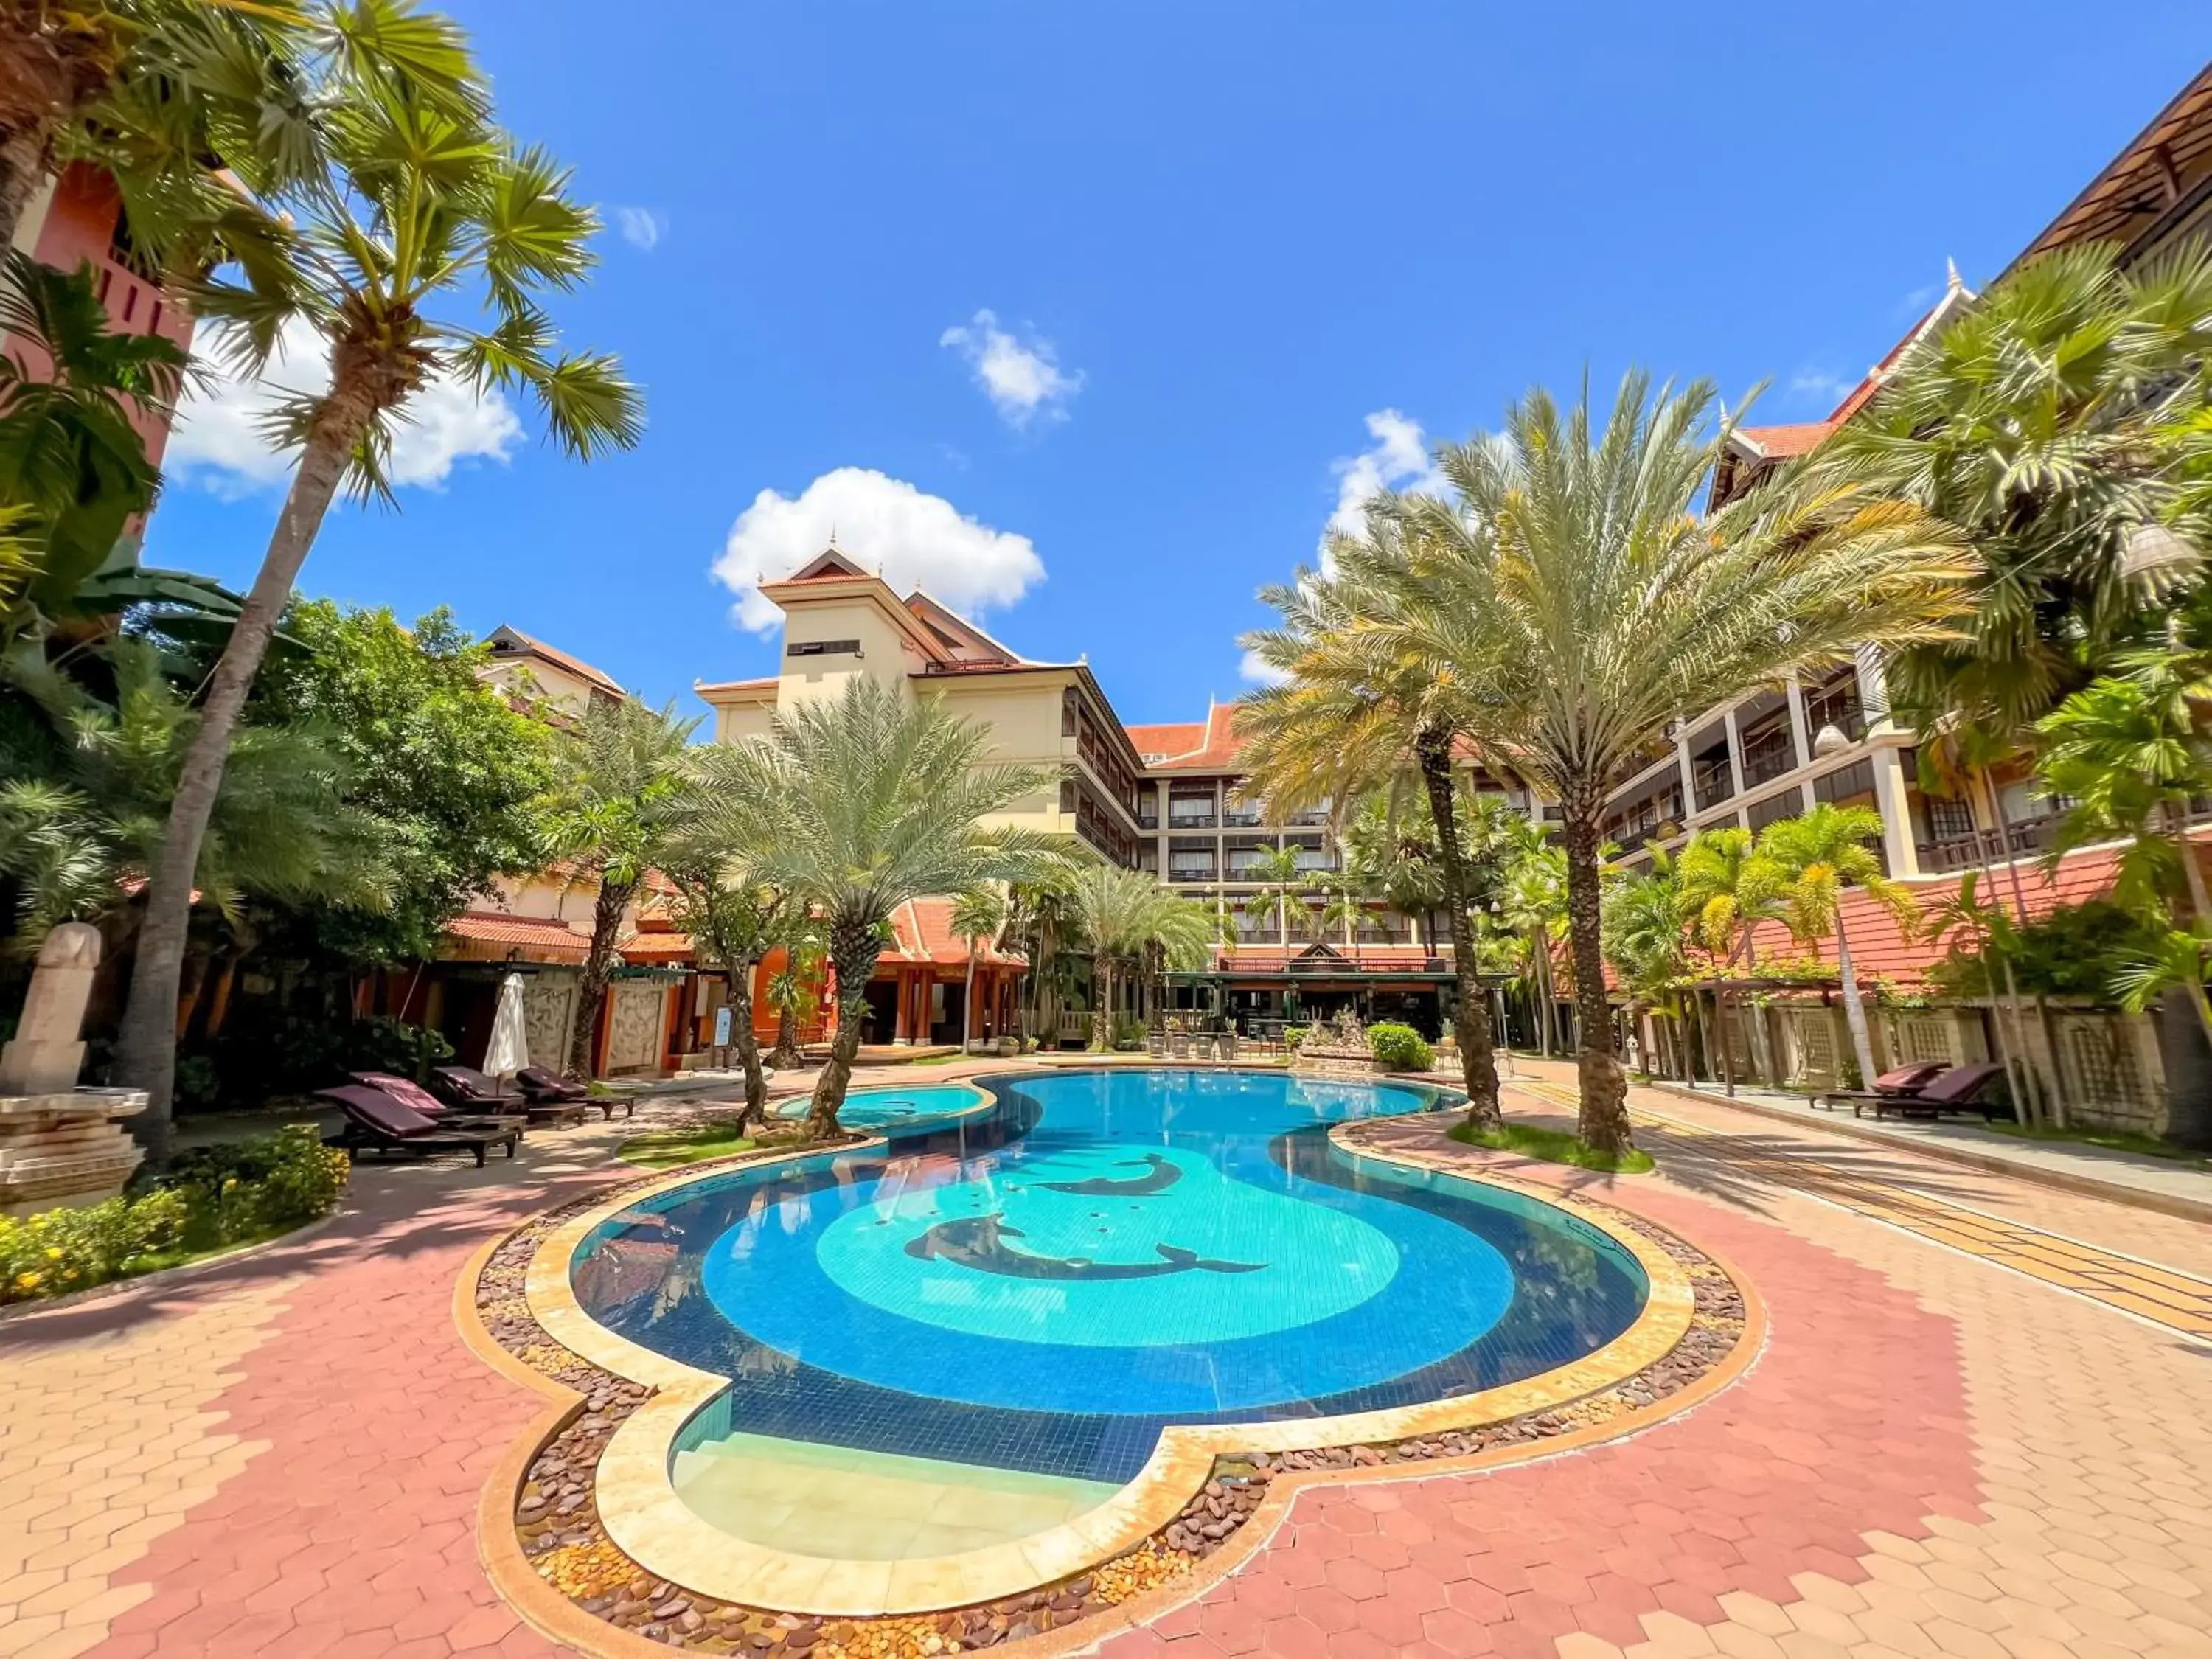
(1400, 1048)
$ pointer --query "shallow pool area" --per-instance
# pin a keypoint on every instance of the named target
(982, 1326)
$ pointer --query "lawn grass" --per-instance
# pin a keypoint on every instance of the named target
(665, 1149)
(1552, 1146)
(2114, 1140)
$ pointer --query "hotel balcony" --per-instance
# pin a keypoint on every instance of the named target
(1710, 781)
(1768, 757)
(1951, 854)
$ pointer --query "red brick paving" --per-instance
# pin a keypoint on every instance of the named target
(1772, 1478)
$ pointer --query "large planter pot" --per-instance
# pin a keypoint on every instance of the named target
(1341, 1062)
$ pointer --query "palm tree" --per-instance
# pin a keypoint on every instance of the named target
(1815, 856)
(1571, 591)
(161, 93)
(1040, 915)
(1355, 712)
(1981, 931)
(1533, 906)
(71, 462)
(976, 916)
(1344, 912)
(853, 804)
(424, 204)
(792, 990)
(731, 927)
(1123, 914)
(2040, 422)
(1278, 875)
(1643, 936)
(1727, 889)
(2129, 755)
(625, 790)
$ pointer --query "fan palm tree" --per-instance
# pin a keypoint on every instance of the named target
(626, 788)
(976, 917)
(423, 205)
(1574, 597)
(855, 804)
(1814, 857)
(161, 93)
(2041, 424)
(1356, 711)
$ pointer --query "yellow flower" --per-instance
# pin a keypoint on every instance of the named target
(30, 1281)
(53, 1252)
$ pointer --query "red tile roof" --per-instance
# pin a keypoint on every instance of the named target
(662, 947)
(923, 933)
(1212, 746)
(546, 938)
(561, 659)
(1782, 441)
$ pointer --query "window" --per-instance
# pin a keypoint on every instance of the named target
(822, 648)
(1787, 805)
(1947, 819)
(1845, 782)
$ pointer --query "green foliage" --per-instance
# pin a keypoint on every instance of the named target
(1400, 1048)
(2073, 951)
(263, 1054)
(2046, 421)
(73, 469)
(1128, 1034)
(87, 782)
(690, 1143)
(243, 1189)
(211, 1198)
(621, 790)
(438, 759)
(1294, 1034)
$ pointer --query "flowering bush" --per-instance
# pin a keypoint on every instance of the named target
(1400, 1048)
(211, 1197)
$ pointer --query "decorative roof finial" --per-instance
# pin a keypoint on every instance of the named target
(1952, 281)
(833, 537)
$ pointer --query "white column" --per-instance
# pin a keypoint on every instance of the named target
(1799, 736)
(1735, 753)
(1897, 843)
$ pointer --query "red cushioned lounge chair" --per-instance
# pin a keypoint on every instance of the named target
(1904, 1080)
(375, 1122)
(465, 1086)
(412, 1095)
(541, 1087)
(1961, 1088)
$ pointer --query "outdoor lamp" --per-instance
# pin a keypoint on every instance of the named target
(2155, 551)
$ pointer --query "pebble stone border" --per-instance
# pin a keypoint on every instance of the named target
(557, 1523)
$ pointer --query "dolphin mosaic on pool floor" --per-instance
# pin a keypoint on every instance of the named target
(566, 1544)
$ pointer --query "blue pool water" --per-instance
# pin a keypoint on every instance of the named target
(1043, 1285)
(909, 1111)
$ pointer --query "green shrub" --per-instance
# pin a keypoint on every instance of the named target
(210, 1197)
(1401, 1047)
(245, 1188)
(1294, 1034)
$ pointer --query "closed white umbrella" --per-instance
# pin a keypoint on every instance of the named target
(508, 1052)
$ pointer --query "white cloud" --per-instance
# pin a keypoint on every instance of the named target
(1818, 386)
(881, 522)
(1258, 672)
(218, 441)
(641, 227)
(1022, 377)
(1398, 459)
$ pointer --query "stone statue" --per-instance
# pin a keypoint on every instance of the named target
(47, 1052)
(59, 1144)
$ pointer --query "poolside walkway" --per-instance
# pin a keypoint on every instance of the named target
(1979, 1429)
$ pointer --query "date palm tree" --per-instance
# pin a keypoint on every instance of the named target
(424, 217)
(1356, 711)
(1572, 595)
(1124, 915)
(623, 793)
(1814, 857)
(855, 804)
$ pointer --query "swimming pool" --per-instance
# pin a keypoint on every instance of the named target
(1032, 1293)
(898, 1111)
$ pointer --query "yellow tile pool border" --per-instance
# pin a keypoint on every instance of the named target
(642, 1514)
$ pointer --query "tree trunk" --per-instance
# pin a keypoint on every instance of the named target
(1727, 1048)
(1854, 1009)
(1471, 1014)
(853, 953)
(145, 1049)
(1602, 1124)
(749, 1054)
(968, 1000)
(2192, 873)
(2037, 1091)
(25, 160)
(1102, 1006)
(599, 968)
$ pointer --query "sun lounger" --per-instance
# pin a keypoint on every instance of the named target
(467, 1087)
(377, 1122)
(1955, 1091)
(542, 1088)
(1904, 1080)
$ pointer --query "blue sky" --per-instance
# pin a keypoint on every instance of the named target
(1108, 305)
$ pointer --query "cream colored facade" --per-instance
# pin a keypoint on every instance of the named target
(531, 671)
(841, 623)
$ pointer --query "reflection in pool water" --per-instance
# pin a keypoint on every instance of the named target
(1043, 1286)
